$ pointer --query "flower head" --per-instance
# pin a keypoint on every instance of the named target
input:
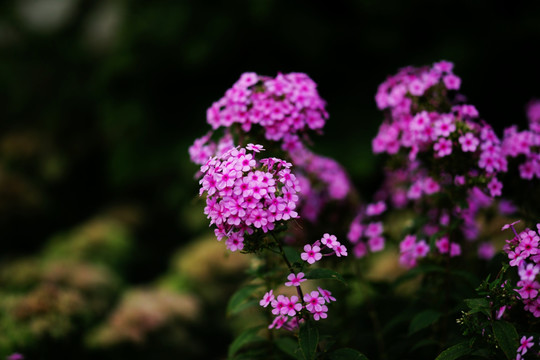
(295, 279)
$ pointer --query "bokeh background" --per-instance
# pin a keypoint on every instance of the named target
(105, 251)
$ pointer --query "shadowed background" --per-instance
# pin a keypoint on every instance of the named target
(101, 99)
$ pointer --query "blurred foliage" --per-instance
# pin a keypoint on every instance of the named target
(100, 100)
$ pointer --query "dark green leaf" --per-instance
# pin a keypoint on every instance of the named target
(324, 274)
(246, 337)
(288, 346)
(291, 254)
(455, 352)
(482, 353)
(424, 342)
(347, 354)
(478, 305)
(507, 337)
(308, 338)
(423, 320)
(239, 298)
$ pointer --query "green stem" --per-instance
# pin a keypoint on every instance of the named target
(298, 288)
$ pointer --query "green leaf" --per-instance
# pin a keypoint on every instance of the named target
(424, 342)
(347, 354)
(288, 346)
(455, 352)
(308, 338)
(507, 337)
(423, 320)
(292, 254)
(478, 305)
(246, 337)
(324, 274)
(239, 298)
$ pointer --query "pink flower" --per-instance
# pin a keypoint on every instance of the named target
(443, 245)
(443, 66)
(360, 250)
(468, 142)
(421, 249)
(279, 304)
(327, 295)
(278, 322)
(528, 272)
(452, 82)
(295, 280)
(267, 299)
(355, 232)
(486, 251)
(375, 208)
(373, 229)
(291, 306)
(526, 343)
(320, 313)
(330, 241)
(444, 126)
(407, 244)
(495, 187)
(506, 226)
(500, 312)
(430, 186)
(459, 180)
(529, 289)
(455, 249)
(376, 243)
(416, 87)
(15, 356)
(311, 254)
(313, 301)
(443, 147)
(340, 250)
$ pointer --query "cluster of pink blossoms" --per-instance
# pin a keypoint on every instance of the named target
(363, 226)
(524, 253)
(322, 179)
(525, 143)
(283, 105)
(286, 107)
(422, 120)
(244, 195)
(288, 309)
(328, 243)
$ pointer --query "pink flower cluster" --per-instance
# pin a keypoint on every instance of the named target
(422, 120)
(525, 143)
(364, 226)
(524, 253)
(204, 148)
(284, 105)
(244, 195)
(411, 250)
(322, 179)
(328, 243)
(288, 309)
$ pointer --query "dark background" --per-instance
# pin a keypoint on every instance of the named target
(100, 100)
(115, 91)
